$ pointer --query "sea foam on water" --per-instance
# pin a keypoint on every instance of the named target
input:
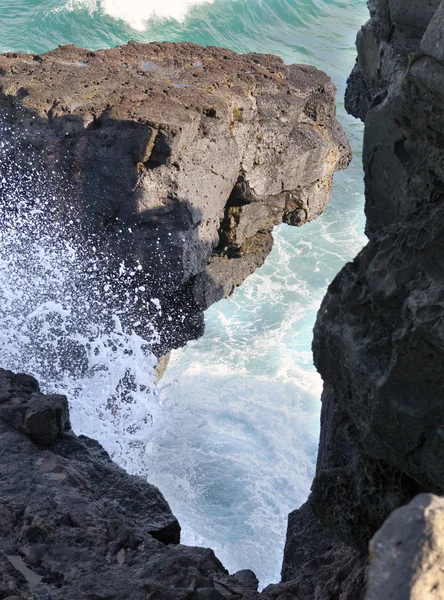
(233, 445)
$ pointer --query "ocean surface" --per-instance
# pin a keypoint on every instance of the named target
(230, 435)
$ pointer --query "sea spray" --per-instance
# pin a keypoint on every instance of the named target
(134, 12)
(62, 305)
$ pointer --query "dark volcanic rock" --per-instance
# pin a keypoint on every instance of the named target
(317, 566)
(381, 319)
(43, 418)
(407, 553)
(178, 156)
(397, 86)
(74, 525)
(379, 340)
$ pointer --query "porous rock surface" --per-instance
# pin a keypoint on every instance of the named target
(180, 157)
(379, 339)
(407, 553)
(75, 525)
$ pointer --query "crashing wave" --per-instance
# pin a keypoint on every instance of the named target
(62, 303)
(136, 13)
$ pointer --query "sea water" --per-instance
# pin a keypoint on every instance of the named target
(230, 435)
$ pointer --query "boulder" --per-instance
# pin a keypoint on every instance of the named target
(407, 553)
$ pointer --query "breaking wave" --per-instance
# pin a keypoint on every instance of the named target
(136, 13)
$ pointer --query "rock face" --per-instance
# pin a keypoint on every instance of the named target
(407, 553)
(317, 566)
(379, 340)
(180, 157)
(379, 337)
(74, 525)
(397, 87)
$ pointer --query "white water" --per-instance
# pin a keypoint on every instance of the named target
(230, 436)
(136, 13)
(240, 449)
(60, 321)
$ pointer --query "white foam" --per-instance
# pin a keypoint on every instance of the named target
(235, 459)
(136, 13)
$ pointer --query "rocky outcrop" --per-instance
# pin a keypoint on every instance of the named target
(407, 553)
(317, 565)
(179, 157)
(75, 525)
(378, 340)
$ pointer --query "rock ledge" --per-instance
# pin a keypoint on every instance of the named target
(180, 157)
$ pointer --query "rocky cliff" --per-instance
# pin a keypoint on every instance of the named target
(177, 157)
(180, 160)
(74, 525)
(379, 338)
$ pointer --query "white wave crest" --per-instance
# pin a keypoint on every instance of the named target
(136, 13)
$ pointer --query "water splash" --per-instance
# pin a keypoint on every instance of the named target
(137, 13)
(61, 314)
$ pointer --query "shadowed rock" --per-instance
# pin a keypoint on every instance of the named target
(75, 525)
(397, 88)
(22, 405)
(378, 341)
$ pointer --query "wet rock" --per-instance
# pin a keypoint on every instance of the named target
(407, 553)
(161, 366)
(180, 157)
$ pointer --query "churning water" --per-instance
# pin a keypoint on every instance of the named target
(230, 435)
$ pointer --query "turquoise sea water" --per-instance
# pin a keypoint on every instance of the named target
(237, 449)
